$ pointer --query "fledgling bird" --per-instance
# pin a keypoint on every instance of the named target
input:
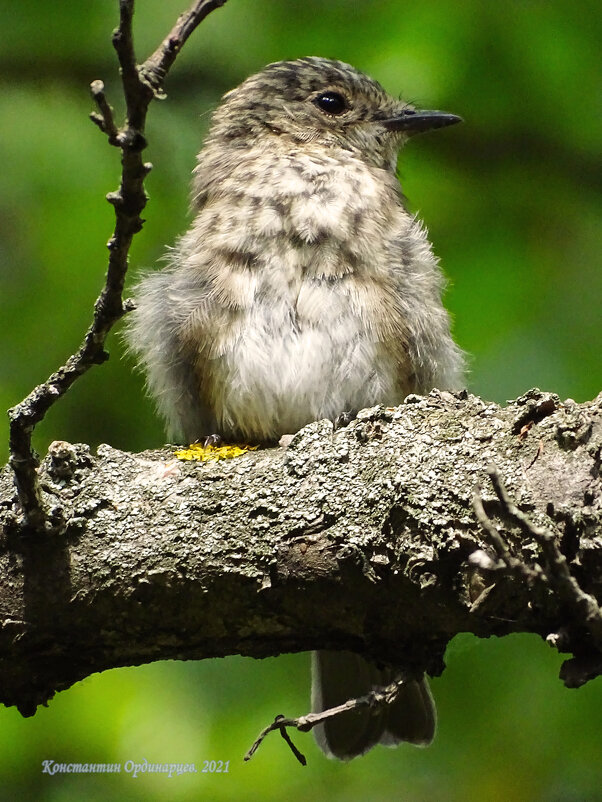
(304, 289)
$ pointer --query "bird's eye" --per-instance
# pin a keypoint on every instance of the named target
(331, 103)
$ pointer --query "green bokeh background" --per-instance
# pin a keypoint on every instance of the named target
(512, 203)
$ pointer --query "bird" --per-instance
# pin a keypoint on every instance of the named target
(304, 289)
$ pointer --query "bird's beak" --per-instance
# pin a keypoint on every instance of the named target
(412, 121)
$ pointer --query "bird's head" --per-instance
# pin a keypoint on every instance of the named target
(317, 100)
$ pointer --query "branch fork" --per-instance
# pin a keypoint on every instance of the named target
(377, 698)
(140, 85)
(554, 572)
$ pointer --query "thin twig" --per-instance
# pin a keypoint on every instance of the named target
(128, 201)
(558, 574)
(157, 65)
(287, 738)
(105, 120)
(138, 94)
(378, 697)
(513, 564)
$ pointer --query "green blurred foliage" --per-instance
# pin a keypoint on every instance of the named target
(512, 202)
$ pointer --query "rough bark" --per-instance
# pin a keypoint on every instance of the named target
(364, 538)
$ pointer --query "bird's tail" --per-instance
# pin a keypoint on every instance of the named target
(339, 676)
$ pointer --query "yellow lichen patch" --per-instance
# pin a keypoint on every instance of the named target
(197, 451)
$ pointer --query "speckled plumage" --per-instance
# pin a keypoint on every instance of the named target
(303, 288)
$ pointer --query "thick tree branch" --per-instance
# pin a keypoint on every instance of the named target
(362, 539)
(140, 86)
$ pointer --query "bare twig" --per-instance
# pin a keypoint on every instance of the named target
(156, 66)
(378, 697)
(137, 97)
(556, 572)
(513, 564)
(299, 755)
(128, 201)
(105, 120)
(584, 606)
